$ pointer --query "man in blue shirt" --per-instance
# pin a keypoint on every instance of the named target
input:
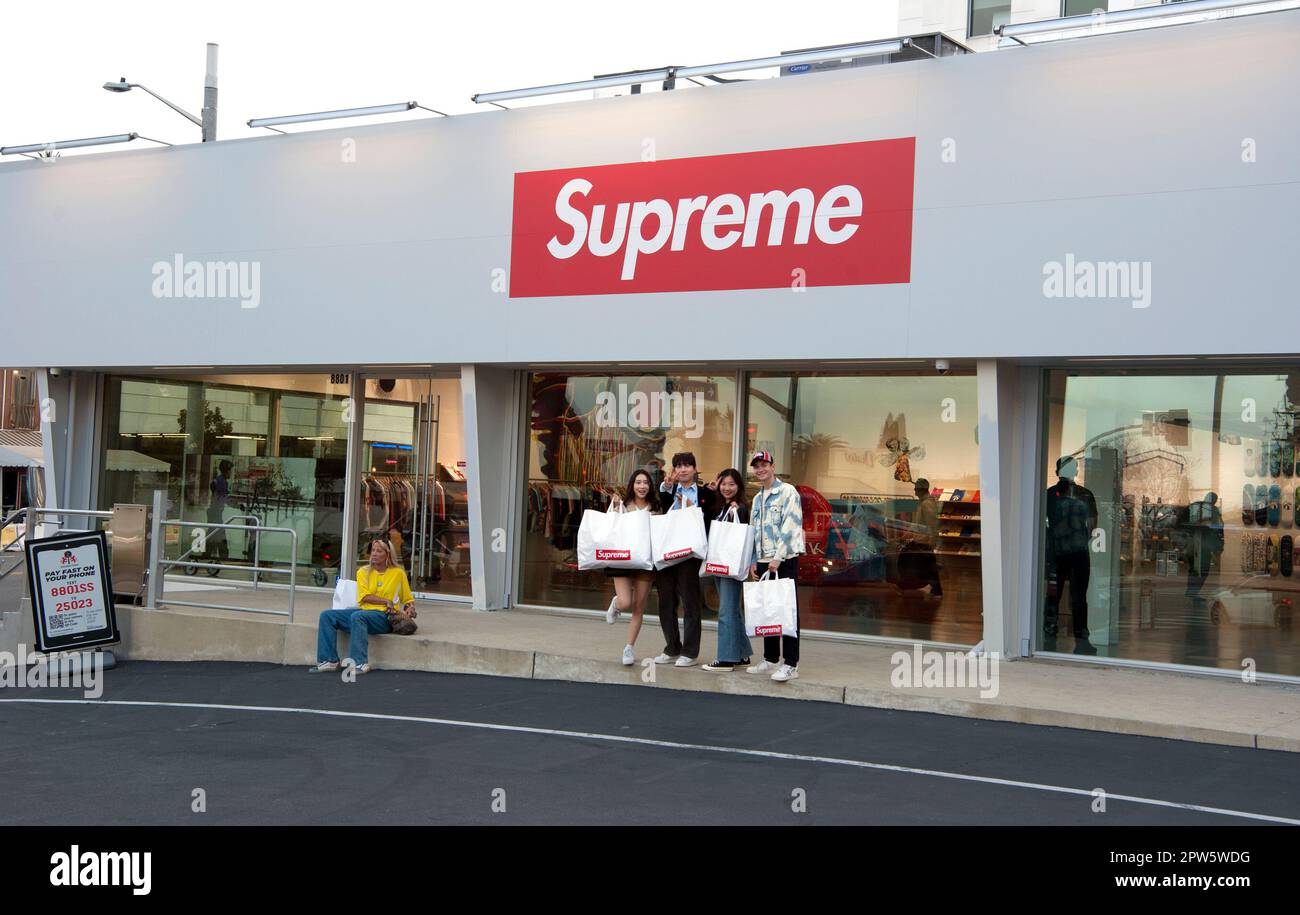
(681, 490)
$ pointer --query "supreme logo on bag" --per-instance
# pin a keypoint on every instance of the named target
(678, 554)
(838, 215)
(719, 567)
(612, 555)
(767, 630)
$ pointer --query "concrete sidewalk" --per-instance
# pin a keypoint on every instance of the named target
(540, 645)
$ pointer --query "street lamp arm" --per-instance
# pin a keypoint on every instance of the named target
(175, 108)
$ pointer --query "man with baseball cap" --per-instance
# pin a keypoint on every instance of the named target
(777, 518)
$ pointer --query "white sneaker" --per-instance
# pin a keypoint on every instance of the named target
(665, 658)
(786, 672)
(611, 615)
(684, 661)
(629, 657)
(761, 667)
(324, 667)
(356, 668)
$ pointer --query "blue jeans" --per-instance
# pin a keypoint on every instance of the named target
(359, 623)
(733, 644)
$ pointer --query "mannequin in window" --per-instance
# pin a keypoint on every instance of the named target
(927, 517)
(1204, 544)
(1071, 518)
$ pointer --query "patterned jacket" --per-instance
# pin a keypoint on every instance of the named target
(777, 517)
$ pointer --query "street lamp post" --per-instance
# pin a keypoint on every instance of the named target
(208, 123)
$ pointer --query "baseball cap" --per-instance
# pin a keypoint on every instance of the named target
(761, 456)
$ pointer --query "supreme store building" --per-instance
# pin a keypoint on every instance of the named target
(1015, 324)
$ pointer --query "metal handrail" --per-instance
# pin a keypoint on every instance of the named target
(22, 555)
(35, 512)
(257, 544)
(157, 564)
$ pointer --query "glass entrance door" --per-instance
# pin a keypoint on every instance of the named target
(413, 490)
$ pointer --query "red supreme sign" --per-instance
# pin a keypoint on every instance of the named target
(613, 555)
(836, 215)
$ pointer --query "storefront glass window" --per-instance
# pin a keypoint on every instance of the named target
(413, 489)
(885, 557)
(1170, 521)
(273, 447)
(587, 434)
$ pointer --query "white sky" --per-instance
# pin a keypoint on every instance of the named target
(293, 57)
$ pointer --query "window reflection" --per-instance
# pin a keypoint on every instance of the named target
(1170, 523)
(888, 471)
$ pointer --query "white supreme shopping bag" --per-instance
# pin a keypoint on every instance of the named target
(731, 549)
(770, 606)
(616, 539)
(678, 535)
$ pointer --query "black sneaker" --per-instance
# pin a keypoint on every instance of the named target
(720, 665)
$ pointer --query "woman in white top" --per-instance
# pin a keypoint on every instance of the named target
(632, 586)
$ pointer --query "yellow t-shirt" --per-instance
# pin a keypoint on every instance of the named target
(391, 584)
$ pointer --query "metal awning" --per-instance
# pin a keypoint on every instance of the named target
(21, 456)
(21, 448)
(117, 459)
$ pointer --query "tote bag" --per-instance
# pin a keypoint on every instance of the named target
(731, 549)
(770, 607)
(677, 536)
(616, 539)
(345, 594)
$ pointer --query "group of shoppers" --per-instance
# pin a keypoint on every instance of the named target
(775, 513)
(777, 517)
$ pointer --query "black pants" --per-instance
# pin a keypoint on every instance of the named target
(1075, 569)
(680, 581)
(775, 646)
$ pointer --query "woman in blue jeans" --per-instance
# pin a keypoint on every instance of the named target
(382, 588)
(733, 645)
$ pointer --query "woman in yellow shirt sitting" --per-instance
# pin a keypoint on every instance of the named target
(382, 588)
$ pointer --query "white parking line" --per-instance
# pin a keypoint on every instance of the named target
(674, 745)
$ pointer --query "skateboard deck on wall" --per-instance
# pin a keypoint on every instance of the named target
(1261, 553)
(1272, 556)
(1288, 512)
(1288, 458)
(1274, 505)
(1275, 459)
(1261, 504)
(1248, 463)
(1263, 457)
(1287, 555)
(1248, 505)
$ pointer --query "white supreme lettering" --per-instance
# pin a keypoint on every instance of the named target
(724, 220)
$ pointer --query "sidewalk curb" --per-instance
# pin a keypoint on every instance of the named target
(164, 636)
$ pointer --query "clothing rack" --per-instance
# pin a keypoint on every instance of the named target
(389, 500)
(555, 507)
